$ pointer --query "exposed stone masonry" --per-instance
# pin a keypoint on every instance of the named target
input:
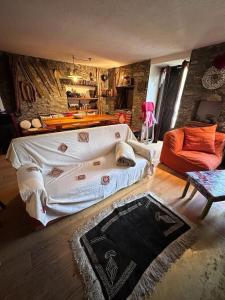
(55, 103)
(201, 60)
(140, 72)
(48, 102)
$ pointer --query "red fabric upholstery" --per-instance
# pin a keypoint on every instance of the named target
(174, 156)
(200, 139)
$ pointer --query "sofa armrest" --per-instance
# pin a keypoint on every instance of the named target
(144, 151)
(12, 156)
(31, 184)
(219, 142)
(141, 149)
(174, 139)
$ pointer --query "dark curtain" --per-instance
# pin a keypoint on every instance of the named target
(167, 97)
(7, 132)
(124, 97)
(164, 80)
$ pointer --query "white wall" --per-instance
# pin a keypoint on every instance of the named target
(158, 63)
(153, 83)
(172, 58)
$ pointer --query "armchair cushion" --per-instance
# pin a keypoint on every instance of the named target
(200, 160)
(200, 139)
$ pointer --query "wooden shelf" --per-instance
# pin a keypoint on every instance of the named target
(79, 84)
(67, 81)
(74, 98)
(125, 86)
(83, 110)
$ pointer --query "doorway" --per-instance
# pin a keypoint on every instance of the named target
(170, 90)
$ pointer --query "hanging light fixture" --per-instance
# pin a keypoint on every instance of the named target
(72, 74)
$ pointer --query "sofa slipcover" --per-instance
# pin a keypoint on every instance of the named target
(62, 173)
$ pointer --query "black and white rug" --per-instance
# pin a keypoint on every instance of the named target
(124, 251)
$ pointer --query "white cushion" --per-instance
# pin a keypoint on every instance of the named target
(91, 188)
(25, 124)
(36, 123)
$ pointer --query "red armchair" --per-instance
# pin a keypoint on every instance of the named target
(183, 161)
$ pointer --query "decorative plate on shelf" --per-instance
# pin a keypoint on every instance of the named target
(213, 78)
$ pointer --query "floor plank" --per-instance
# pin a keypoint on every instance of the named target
(39, 264)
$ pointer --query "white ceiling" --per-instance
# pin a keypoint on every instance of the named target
(112, 32)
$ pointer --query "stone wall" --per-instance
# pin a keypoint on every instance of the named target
(48, 102)
(140, 72)
(201, 60)
(56, 101)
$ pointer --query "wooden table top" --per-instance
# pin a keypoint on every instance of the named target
(72, 120)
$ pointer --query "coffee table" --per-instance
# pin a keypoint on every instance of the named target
(211, 184)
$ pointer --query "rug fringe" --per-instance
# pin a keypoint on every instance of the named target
(152, 274)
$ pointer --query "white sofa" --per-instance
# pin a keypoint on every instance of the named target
(62, 173)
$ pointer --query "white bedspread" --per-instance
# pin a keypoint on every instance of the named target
(48, 197)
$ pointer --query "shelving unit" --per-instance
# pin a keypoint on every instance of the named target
(125, 86)
(81, 98)
(89, 110)
(67, 81)
(79, 84)
(83, 92)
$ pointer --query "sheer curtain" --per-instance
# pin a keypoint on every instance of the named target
(185, 66)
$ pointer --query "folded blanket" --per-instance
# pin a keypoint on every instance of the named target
(141, 149)
(145, 151)
(125, 155)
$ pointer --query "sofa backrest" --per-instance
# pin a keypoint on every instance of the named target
(67, 147)
(174, 140)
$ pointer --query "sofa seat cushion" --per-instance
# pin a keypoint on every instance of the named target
(200, 160)
(83, 182)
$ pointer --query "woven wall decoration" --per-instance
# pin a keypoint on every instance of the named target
(213, 78)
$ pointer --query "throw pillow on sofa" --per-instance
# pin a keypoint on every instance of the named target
(125, 155)
(200, 139)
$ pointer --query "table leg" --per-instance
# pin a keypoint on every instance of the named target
(186, 189)
(206, 209)
(193, 193)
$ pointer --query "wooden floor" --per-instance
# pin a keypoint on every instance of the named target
(39, 264)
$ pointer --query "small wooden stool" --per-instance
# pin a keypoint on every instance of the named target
(211, 184)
